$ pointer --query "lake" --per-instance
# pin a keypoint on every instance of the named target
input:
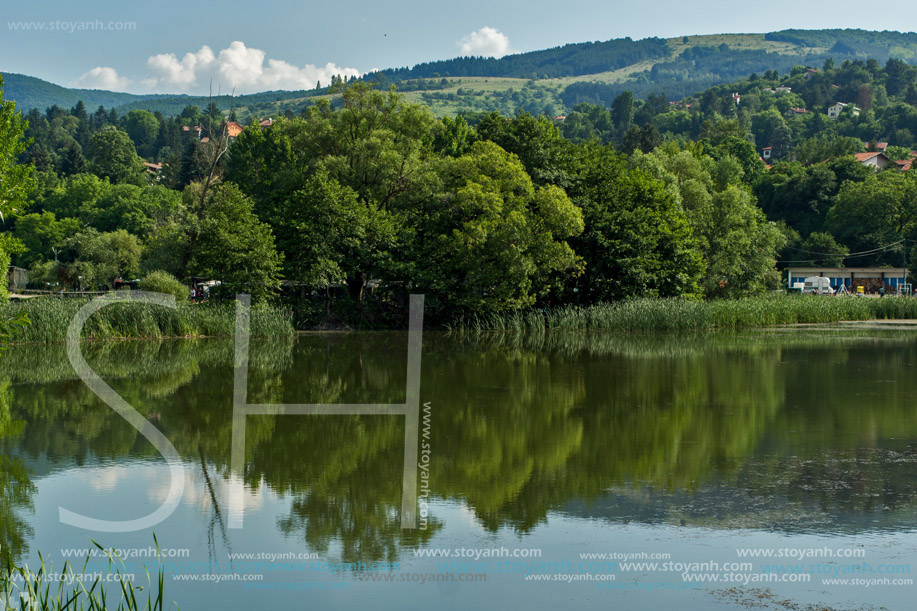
(770, 469)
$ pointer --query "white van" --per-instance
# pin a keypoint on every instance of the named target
(818, 285)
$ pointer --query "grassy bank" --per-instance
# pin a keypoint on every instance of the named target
(683, 315)
(50, 318)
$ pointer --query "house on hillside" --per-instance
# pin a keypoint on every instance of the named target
(835, 110)
(266, 123)
(809, 73)
(153, 168)
(783, 90)
(196, 130)
(797, 112)
(766, 152)
(874, 160)
(233, 130)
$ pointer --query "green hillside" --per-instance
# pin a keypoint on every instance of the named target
(29, 92)
(541, 82)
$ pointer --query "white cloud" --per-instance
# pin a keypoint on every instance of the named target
(165, 68)
(486, 42)
(244, 68)
(102, 77)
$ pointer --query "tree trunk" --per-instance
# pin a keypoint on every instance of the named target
(355, 287)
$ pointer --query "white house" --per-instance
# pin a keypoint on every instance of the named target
(875, 160)
(835, 110)
(766, 152)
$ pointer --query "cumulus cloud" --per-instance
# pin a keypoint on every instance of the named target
(102, 77)
(244, 68)
(165, 68)
(486, 42)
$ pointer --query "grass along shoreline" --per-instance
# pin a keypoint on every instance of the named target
(687, 315)
(50, 319)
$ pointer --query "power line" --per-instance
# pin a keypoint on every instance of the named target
(854, 255)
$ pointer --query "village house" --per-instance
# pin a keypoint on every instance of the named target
(233, 130)
(874, 159)
(196, 130)
(834, 111)
(153, 168)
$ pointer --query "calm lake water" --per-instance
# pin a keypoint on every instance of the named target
(685, 450)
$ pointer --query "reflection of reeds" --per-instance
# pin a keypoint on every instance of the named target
(151, 361)
(664, 344)
(50, 318)
(23, 589)
(685, 315)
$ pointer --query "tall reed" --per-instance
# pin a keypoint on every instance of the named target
(50, 318)
(22, 589)
(687, 315)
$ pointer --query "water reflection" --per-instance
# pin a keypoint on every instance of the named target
(793, 431)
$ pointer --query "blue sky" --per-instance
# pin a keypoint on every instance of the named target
(169, 46)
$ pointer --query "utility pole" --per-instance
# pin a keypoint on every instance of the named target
(904, 267)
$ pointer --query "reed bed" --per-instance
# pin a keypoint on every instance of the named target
(22, 589)
(689, 315)
(50, 318)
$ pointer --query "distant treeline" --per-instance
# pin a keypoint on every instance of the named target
(29, 92)
(695, 70)
(568, 60)
(863, 43)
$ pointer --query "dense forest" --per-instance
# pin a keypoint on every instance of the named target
(678, 67)
(359, 200)
(29, 92)
(568, 60)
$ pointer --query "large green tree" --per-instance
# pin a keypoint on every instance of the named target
(16, 181)
(877, 212)
(737, 242)
(376, 145)
(97, 259)
(142, 127)
(637, 240)
(490, 240)
(328, 234)
(113, 156)
(41, 234)
(234, 247)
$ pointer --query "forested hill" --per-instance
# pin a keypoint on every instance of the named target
(569, 60)
(558, 79)
(29, 92)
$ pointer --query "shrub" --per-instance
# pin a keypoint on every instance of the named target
(164, 282)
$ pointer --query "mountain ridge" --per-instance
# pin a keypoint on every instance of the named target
(564, 75)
